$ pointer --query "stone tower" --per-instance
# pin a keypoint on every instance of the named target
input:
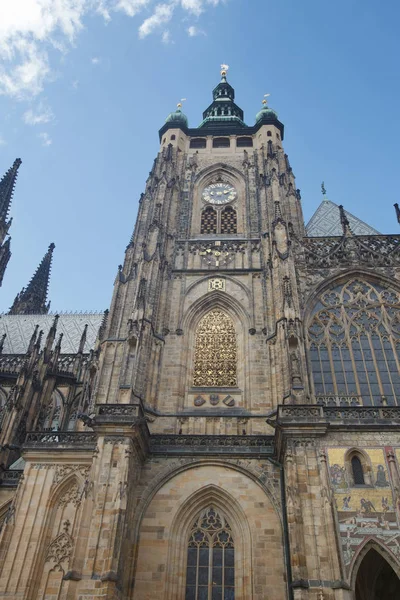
(234, 431)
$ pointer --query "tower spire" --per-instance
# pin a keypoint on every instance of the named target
(7, 185)
(32, 299)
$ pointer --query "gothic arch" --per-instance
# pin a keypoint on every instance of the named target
(241, 321)
(267, 500)
(231, 172)
(211, 174)
(223, 502)
(227, 277)
(341, 278)
(371, 543)
(216, 299)
(352, 333)
(179, 466)
(58, 534)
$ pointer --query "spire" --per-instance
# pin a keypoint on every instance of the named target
(7, 185)
(32, 299)
(223, 112)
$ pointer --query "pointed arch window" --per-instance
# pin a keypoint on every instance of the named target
(357, 470)
(210, 572)
(228, 220)
(209, 220)
(354, 343)
(215, 360)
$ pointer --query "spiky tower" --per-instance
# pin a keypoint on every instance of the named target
(33, 298)
(7, 185)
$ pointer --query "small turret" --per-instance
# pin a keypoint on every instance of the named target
(223, 111)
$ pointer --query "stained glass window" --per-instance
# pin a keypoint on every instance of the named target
(210, 571)
(354, 343)
(215, 351)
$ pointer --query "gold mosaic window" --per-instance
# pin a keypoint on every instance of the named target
(210, 571)
(215, 359)
(209, 220)
(228, 220)
(354, 343)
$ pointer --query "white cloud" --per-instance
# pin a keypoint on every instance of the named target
(166, 37)
(2, 141)
(43, 114)
(95, 60)
(193, 6)
(162, 14)
(193, 31)
(46, 139)
(75, 84)
(30, 31)
(131, 7)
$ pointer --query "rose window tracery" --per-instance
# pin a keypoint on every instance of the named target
(354, 343)
(215, 361)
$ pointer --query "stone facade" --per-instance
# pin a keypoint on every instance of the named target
(114, 459)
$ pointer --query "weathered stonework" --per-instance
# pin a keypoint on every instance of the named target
(125, 447)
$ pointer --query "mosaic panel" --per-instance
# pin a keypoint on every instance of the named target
(368, 510)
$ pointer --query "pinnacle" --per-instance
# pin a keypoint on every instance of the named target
(32, 299)
(7, 184)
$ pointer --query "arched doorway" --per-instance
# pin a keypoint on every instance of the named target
(376, 580)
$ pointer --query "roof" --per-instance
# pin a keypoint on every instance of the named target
(19, 329)
(325, 222)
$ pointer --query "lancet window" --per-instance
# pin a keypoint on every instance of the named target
(209, 220)
(219, 220)
(210, 571)
(354, 343)
(228, 220)
(215, 361)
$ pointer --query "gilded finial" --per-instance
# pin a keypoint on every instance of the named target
(179, 105)
(224, 70)
(265, 101)
(323, 190)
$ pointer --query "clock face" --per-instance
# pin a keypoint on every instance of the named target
(219, 193)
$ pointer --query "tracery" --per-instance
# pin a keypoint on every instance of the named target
(354, 343)
(215, 351)
(210, 572)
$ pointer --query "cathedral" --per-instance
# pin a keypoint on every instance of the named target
(230, 427)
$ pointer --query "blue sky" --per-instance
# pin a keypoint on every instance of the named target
(86, 84)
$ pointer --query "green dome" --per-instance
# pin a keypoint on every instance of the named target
(266, 113)
(177, 117)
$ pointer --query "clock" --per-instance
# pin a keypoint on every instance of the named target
(219, 193)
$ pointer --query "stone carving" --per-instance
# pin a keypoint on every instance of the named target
(216, 283)
(73, 495)
(229, 401)
(199, 401)
(62, 471)
(214, 399)
(60, 549)
(374, 251)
